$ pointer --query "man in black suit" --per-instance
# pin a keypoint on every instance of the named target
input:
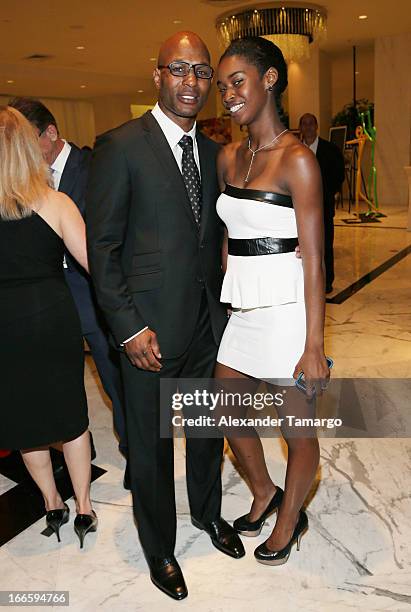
(331, 164)
(69, 167)
(154, 242)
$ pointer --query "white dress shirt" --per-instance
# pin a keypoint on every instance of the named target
(173, 134)
(57, 167)
(313, 146)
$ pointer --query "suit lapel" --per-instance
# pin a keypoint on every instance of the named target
(208, 169)
(319, 152)
(158, 143)
(68, 178)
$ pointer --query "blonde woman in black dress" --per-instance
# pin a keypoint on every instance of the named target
(41, 349)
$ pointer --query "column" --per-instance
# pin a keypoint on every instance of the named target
(309, 89)
(393, 117)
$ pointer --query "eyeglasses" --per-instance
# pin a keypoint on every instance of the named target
(182, 69)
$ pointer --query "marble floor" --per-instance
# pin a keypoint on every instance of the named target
(356, 553)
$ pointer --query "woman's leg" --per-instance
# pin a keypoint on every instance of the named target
(38, 463)
(249, 453)
(77, 455)
(302, 464)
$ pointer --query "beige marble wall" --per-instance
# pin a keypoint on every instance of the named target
(393, 117)
(407, 170)
(309, 90)
(341, 76)
(303, 87)
(75, 118)
(111, 111)
(325, 100)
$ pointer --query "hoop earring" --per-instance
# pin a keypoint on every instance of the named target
(270, 88)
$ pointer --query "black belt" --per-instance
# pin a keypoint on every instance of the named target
(261, 246)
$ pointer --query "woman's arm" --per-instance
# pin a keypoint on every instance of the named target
(221, 173)
(222, 167)
(224, 252)
(63, 216)
(303, 178)
(73, 230)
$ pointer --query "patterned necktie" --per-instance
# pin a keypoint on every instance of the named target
(191, 176)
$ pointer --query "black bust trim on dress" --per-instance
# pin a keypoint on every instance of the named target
(269, 197)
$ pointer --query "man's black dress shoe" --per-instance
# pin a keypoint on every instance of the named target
(166, 574)
(223, 536)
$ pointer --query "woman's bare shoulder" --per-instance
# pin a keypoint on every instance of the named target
(300, 168)
(56, 208)
(297, 154)
(56, 201)
(229, 151)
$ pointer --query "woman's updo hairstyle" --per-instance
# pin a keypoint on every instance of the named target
(263, 54)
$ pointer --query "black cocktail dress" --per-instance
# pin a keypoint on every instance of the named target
(42, 395)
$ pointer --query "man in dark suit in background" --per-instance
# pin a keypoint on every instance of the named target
(69, 167)
(154, 242)
(331, 164)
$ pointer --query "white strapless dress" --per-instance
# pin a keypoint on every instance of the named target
(265, 335)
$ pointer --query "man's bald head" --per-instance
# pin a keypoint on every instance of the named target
(308, 126)
(308, 116)
(178, 43)
(182, 96)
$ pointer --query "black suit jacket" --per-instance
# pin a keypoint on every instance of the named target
(73, 182)
(331, 164)
(148, 260)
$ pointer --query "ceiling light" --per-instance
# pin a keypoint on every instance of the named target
(176, 21)
(140, 91)
(362, 16)
(153, 59)
(292, 28)
(80, 48)
(83, 86)
(38, 57)
(10, 81)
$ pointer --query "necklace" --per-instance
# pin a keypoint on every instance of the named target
(253, 152)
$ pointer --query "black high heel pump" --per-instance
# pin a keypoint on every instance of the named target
(56, 518)
(253, 528)
(277, 557)
(85, 523)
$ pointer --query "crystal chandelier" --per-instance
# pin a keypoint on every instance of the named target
(292, 28)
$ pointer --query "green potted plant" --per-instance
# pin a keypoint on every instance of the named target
(350, 117)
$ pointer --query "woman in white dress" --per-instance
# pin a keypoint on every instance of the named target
(271, 201)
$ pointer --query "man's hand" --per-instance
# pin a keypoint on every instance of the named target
(298, 252)
(144, 351)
